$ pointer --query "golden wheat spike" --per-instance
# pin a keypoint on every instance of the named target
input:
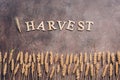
(18, 56)
(116, 68)
(30, 58)
(21, 57)
(58, 68)
(103, 58)
(52, 72)
(71, 58)
(108, 57)
(34, 57)
(46, 57)
(81, 66)
(118, 56)
(85, 57)
(51, 57)
(77, 74)
(42, 58)
(23, 68)
(16, 69)
(91, 70)
(64, 70)
(61, 60)
(33, 68)
(75, 58)
(39, 70)
(5, 57)
(81, 58)
(87, 69)
(99, 56)
(105, 70)
(46, 67)
(5, 69)
(95, 58)
(75, 68)
(69, 69)
(38, 58)
(56, 57)
(67, 59)
(12, 65)
(10, 56)
(26, 57)
(113, 57)
(90, 59)
(97, 68)
(111, 69)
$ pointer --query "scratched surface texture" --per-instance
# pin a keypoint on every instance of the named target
(104, 34)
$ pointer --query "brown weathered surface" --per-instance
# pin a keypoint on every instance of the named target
(103, 36)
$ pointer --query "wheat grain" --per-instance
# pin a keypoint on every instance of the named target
(95, 58)
(56, 57)
(58, 68)
(51, 57)
(71, 58)
(12, 65)
(26, 69)
(77, 74)
(112, 57)
(39, 70)
(46, 57)
(69, 69)
(5, 57)
(61, 60)
(5, 69)
(103, 58)
(116, 68)
(87, 69)
(52, 72)
(10, 56)
(90, 58)
(85, 57)
(34, 57)
(81, 58)
(38, 58)
(111, 69)
(26, 57)
(46, 67)
(16, 69)
(67, 59)
(105, 70)
(108, 57)
(64, 70)
(42, 58)
(99, 56)
(33, 68)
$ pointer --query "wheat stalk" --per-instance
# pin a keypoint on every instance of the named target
(99, 56)
(12, 65)
(33, 68)
(18, 57)
(103, 58)
(52, 72)
(91, 70)
(95, 58)
(21, 57)
(75, 58)
(81, 66)
(75, 67)
(61, 60)
(30, 58)
(118, 56)
(23, 68)
(97, 68)
(81, 58)
(69, 69)
(85, 57)
(46, 57)
(90, 59)
(26, 57)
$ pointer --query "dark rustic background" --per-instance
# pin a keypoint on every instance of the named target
(105, 33)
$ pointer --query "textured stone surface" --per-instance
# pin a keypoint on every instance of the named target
(105, 33)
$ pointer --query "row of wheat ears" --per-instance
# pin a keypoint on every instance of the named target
(52, 64)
